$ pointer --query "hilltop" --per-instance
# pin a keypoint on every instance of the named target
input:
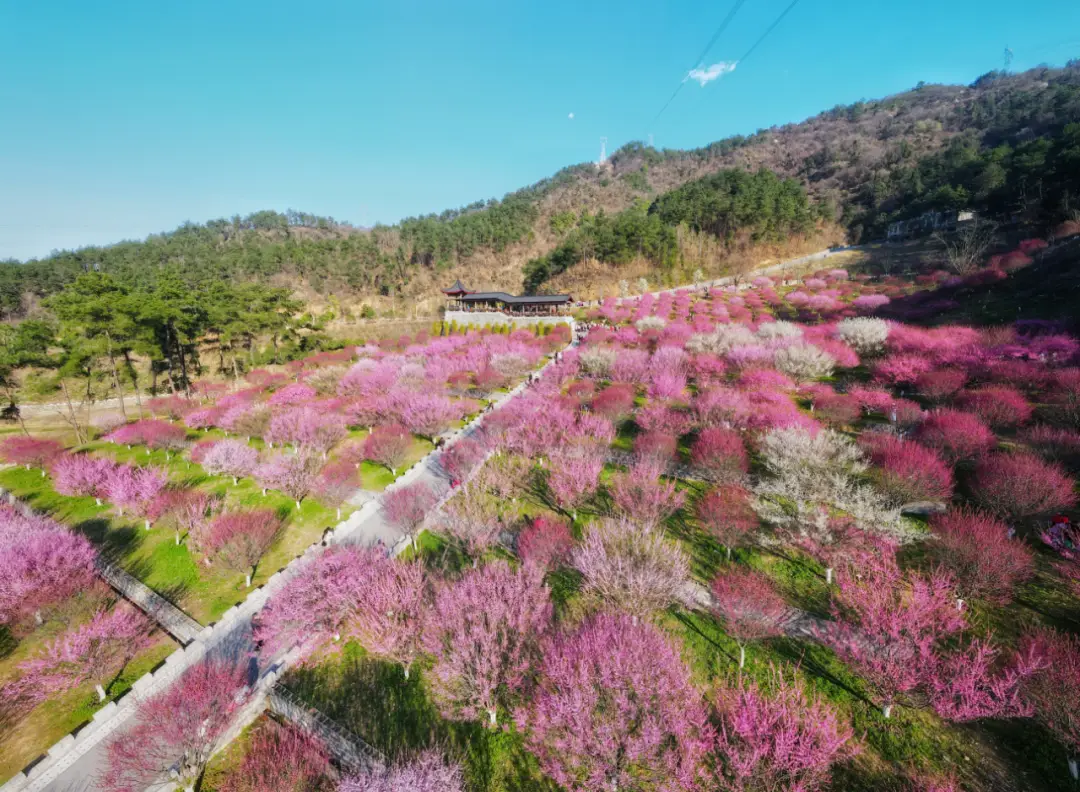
(1008, 145)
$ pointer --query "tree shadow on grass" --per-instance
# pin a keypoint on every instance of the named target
(374, 700)
(8, 641)
(803, 655)
(113, 543)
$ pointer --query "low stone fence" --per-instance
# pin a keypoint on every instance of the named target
(348, 749)
(169, 617)
(494, 318)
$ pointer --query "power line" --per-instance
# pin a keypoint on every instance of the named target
(715, 37)
(769, 30)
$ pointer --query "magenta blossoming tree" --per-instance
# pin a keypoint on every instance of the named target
(783, 740)
(721, 454)
(428, 414)
(643, 496)
(81, 475)
(188, 509)
(92, 652)
(1054, 690)
(1020, 485)
(750, 606)
(615, 705)
(574, 474)
(41, 564)
(957, 436)
(906, 471)
(408, 506)
(890, 626)
(177, 730)
(985, 561)
(311, 607)
(239, 540)
(389, 446)
(30, 451)
(387, 618)
(231, 458)
(336, 483)
(727, 514)
(428, 772)
(633, 568)
(973, 683)
(134, 489)
(281, 758)
(293, 474)
(460, 459)
(484, 632)
(999, 407)
(546, 542)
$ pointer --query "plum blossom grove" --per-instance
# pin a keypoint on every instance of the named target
(696, 475)
(696, 552)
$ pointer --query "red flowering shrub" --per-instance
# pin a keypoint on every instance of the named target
(720, 453)
(1020, 485)
(546, 541)
(907, 471)
(615, 402)
(999, 407)
(955, 435)
(837, 409)
(1053, 443)
(984, 561)
(940, 384)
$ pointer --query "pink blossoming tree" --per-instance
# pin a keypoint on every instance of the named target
(92, 652)
(389, 446)
(615, 704)
(985, 561)
(293, 474)
(388, 616)
(239, 540)
(630, 567)
(177, 730)
(484, 632)
(783, 740)
(231, 458)
(41, 564)
(427, 772)
(728, 515)
(750, 606)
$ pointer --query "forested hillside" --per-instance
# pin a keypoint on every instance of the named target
(1008, 145)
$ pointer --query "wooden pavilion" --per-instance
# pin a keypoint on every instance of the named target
(459, 298)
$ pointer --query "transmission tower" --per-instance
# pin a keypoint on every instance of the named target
(603, 151)
(651, 141)
(1007, 60)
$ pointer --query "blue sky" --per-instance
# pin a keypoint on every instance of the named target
(121, 119)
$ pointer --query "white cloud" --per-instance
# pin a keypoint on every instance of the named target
(571, 116)
(710, 73)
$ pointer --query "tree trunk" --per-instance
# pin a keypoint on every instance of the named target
(247, 580)
(491, 715)
(742, 656)
(1074, 769)
(73, 418)
(100, 692)
(828, 576)
(728, 553)
(887, 710)
(116, 376)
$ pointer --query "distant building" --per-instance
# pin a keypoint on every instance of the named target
(928, 223)
(458, 298)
